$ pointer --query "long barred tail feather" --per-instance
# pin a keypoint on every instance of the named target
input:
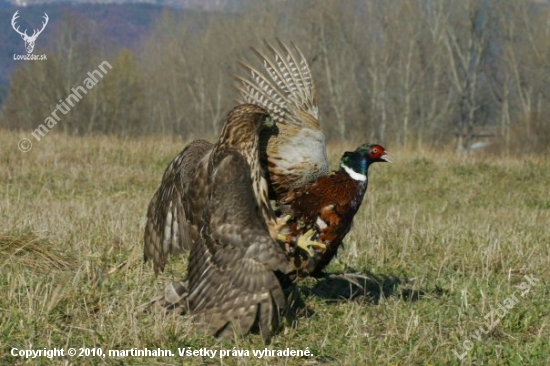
(285, 88)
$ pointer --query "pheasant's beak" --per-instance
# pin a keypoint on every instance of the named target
(385, 157)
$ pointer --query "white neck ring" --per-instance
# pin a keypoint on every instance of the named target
(353, 174)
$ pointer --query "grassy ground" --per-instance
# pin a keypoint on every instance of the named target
(446, 240)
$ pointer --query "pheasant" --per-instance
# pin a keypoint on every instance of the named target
(329, 204)
(294, 156)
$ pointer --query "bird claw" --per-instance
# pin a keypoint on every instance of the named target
(281, 227)
(282, 221)
(304, 242)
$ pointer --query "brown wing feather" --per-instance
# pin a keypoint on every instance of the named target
(170, 227)
(231, 275)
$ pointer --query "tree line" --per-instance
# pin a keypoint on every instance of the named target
(410, 73)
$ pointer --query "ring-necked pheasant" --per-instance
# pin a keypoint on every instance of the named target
(295, 154)
(329, 204)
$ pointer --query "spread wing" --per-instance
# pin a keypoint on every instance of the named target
(232, 269)
(171, 226)
(296, 153)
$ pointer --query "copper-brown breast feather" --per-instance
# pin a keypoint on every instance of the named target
(331, 199)
(327, 199)
(308, 201)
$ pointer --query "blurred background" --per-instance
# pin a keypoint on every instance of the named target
(462, 75)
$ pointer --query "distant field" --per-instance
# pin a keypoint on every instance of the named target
(446, 241)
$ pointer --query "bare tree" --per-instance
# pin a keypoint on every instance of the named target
(466, 52)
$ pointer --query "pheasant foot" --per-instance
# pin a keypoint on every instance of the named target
(304, 242)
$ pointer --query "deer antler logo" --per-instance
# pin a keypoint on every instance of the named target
(29, 40)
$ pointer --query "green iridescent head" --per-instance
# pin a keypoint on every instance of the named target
(359, 160)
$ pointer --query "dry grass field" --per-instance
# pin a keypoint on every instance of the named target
(446, 241)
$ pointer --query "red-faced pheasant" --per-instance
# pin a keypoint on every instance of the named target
(294, 155)
(329, 204)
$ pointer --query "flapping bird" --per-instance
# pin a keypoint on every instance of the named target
(233, 264)
(175, 212)
(216, 198)
(291, 154)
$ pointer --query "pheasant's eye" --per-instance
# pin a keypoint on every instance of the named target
(374, 150)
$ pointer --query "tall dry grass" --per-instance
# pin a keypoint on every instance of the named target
(445, 239)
